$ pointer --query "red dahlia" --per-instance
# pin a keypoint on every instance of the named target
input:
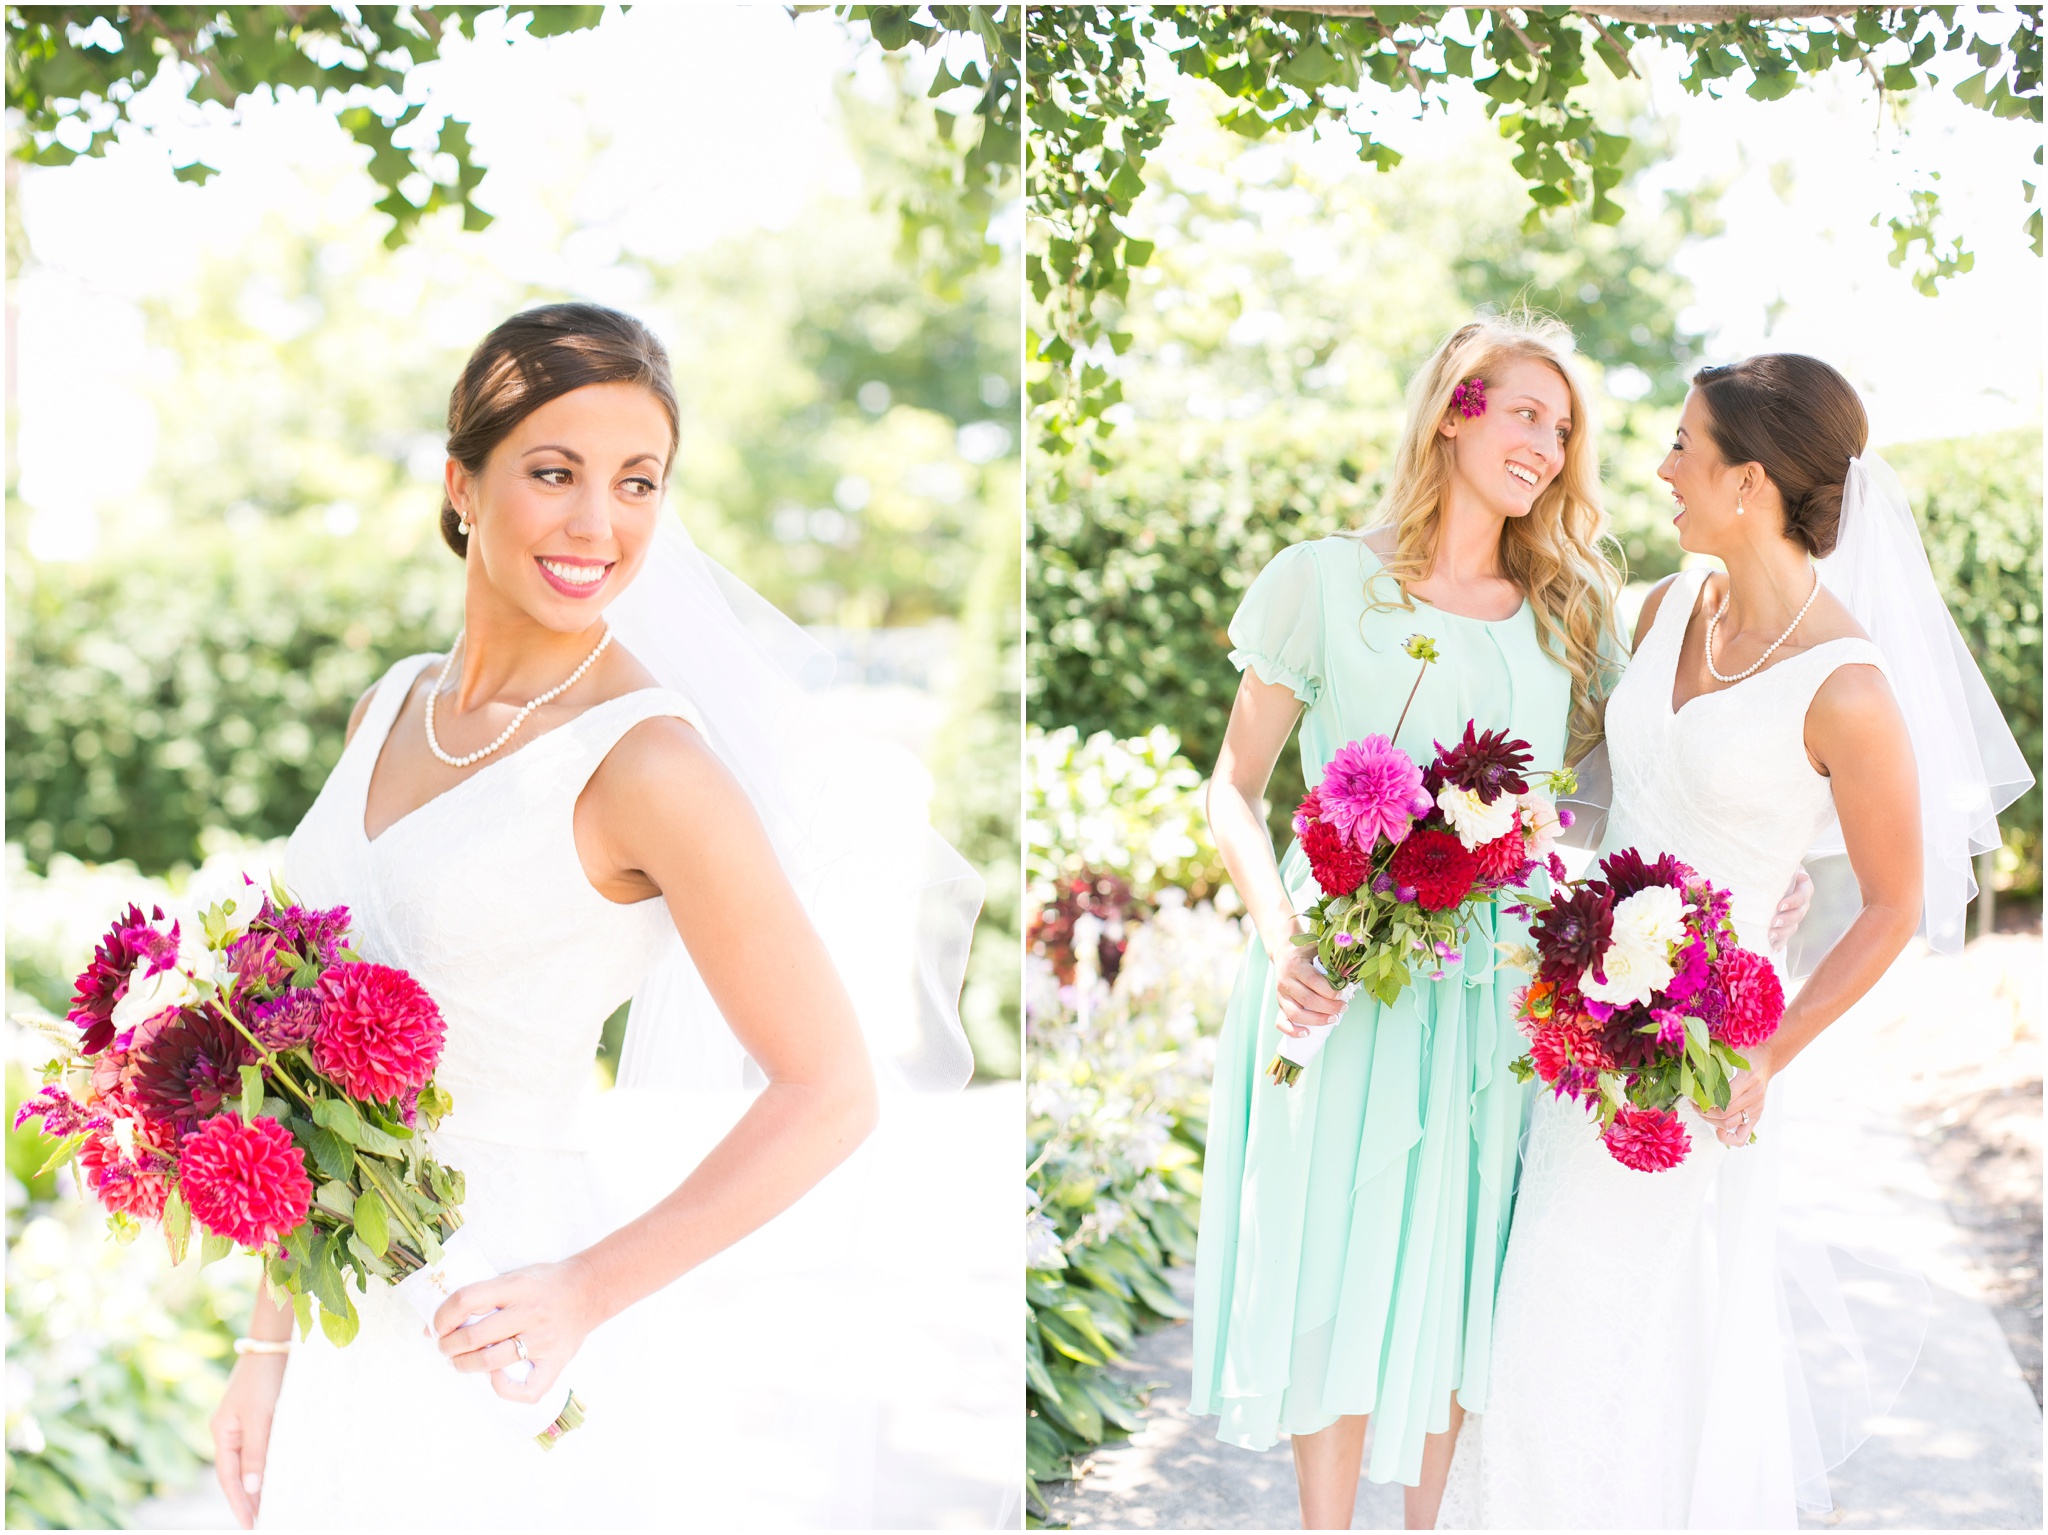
(1649, 1140)
(1755, 999)
(1339, 866)
(1503, 858)
(1437, 865)
(124, 1186)
(246, 1181)
(380, 1033)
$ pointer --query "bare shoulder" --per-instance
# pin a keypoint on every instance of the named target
(1854, 694)
(664, 764)
(355, 715)
(1829, 619)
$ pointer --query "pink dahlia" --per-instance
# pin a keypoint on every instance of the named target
(1756, 999)
(1370, 789)
(130, 942)
(125, 1186)
(380, 1034)
(1649, 1140)
(246, 1180)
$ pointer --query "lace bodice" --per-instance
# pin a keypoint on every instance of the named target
(1723, 783)
(481, 895)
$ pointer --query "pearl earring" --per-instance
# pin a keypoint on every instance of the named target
(1738, 503)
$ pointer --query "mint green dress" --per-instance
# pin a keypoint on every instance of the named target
(1353, 1225)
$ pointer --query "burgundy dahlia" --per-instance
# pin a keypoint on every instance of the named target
(1437, 865)
(1649, 1140)
(1574, 932)
(187, 1069)
(1756, 999)
(380, 1034)
(1626, 872)
(246, 1180)
(130, 942)
(1487, 764)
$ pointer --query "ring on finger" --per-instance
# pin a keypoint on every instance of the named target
(519, 1346)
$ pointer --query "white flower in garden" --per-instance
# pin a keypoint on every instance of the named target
(1475, 821)
(1638, 960)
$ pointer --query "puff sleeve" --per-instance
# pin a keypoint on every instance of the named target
(1278, 628)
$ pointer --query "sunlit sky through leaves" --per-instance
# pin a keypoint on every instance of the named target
(662, 131)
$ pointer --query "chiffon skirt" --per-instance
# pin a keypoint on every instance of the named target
(1353, 1225)
(720, 1402)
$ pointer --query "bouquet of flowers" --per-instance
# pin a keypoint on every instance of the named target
(263, 1083)
(1403, 854)
(1642, 997)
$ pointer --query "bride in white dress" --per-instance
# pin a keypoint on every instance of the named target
(1640, 1376)
(540, 826)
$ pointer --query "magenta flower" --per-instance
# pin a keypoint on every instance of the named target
(1670, 1027)
(1692, 973)
(1469, 398)
(132, 946)
(1371, 789)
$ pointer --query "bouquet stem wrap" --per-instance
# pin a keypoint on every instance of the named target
(464, 1262)
(1297, 1051)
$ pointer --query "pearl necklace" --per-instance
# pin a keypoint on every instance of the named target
(434, 744)
(1722, 612)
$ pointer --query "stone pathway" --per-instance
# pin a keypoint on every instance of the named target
(1941, 1061)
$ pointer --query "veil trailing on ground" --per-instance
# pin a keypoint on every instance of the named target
(894, 903)
(1970, 766)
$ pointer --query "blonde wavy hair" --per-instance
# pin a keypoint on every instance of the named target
(1554, 553)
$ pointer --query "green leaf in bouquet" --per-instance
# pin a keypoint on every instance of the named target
(59, 1155)
(177, 1225)
(338, 1197)
(123, 1228)
(323, 1275)
(373, 1261)
(213, 1247)
(1300, 940)
(389, 1124)
(435, 1103)
(372, 1224)
(340, 1116)
(252, 1091)
(341, 1327)
(331, 1153)
(302, 1311)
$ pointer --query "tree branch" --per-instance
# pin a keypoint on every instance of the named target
(1650, 15)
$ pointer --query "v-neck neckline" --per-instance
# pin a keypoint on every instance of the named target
(1674, 711)
(361, 818)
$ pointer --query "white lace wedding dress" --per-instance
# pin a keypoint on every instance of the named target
(1639, 1380)
(481, 895)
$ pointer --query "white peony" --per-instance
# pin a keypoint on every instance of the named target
(149, 995)
(1638, 960)
(1475, 821)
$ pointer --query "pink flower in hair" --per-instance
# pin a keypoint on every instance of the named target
(1469, 398)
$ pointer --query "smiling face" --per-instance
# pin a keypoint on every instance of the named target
(564, 508)
(1704, 487)
(1509, 455)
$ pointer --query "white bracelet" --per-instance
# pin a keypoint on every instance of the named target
(263, 1345)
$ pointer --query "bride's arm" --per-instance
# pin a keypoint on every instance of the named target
(1261, 719)
(1855, 731)
(667, 813)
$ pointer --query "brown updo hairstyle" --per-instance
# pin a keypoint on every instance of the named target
(1802, 421)
(540, 355)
